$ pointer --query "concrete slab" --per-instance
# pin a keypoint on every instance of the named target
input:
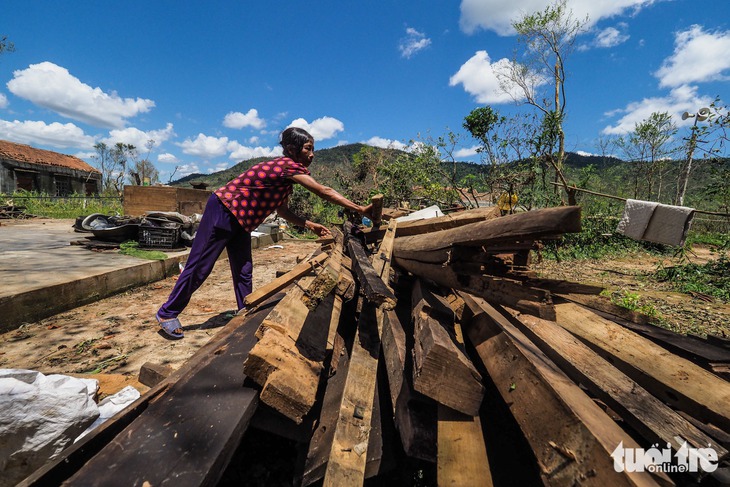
(42, 274)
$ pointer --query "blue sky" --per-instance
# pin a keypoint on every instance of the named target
(213, 83)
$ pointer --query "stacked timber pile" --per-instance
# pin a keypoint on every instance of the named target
(439, 328)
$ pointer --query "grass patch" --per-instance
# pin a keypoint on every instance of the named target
(71, 206)
(712, 278)
(130, 247)
(597, 239)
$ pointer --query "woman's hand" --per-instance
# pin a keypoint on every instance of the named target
(320, 230)
(366, 210)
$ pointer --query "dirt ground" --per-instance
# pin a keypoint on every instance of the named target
(679, 312)
(119, 334)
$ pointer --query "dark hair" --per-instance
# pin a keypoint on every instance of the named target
(294, 136)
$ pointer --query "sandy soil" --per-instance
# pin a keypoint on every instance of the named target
(119, 334)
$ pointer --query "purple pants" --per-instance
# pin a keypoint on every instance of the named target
(218, 230)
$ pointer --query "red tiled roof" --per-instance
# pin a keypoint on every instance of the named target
(31, 155)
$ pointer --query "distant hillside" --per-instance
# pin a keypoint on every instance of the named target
(326, 163)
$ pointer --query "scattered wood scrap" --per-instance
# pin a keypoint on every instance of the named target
(445, 315)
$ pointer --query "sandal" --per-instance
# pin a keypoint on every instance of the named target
(170, 327)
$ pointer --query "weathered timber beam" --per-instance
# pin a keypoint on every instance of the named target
(529, 225)
(414, 414)
(427, 225)
(191, 425)
(672, 379)
(280, 283)
(347, 460)
(320, 442)
(347, 463)
(288, 359)
(644, 412)
(377, 213)
(499, 290)
(441, 368)
(373, 287)
(571, 436)
(462, 453)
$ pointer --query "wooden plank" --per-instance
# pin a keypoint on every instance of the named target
(318, 451)
(672, 379)
(496, 289)
(441, 368)
(347, 460)
(288, 360)
(377, 213)
(188, 434)
(280, 283)
(414, 414)
(371, 284)
(644, 412)
(462, 454)
(530, 225)
(549, 407)
(428, 225)
(74, 457)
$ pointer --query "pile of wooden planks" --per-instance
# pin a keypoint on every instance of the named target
(439, 328)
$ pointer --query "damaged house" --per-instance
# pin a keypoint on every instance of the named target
(23, 167)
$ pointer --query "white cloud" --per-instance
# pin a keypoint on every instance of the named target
(480, 78)
(61, 135)
(498, 15)
(243, 153)
(167, 158)
(139, 138)
(385, 143)
(205, 147)
(238, 120)
(187, 170)
(321, 128)
(679, 100)
(698, 56)
(611, 36)
(3, 100)
(53, 87)
(253, 140)
(466, 152)
(413, 42)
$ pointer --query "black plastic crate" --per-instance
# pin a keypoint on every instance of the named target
(167, 237)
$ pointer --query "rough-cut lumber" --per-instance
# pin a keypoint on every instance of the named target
(644, 412)
(528, 225)
(347, 459)
(462, 454)
(441, 368)
(320, 444)
(377, 213)
(549, 407)
(672, 379)
(371, 284)
(496, 289)
(288, 360)
(151, 374)
(273, 287)
(445, 222)
(413, 413)
(190, 428)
